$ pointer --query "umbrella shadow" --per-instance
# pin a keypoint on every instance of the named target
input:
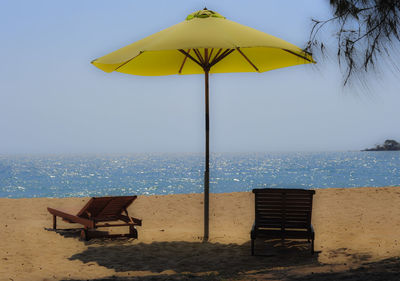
(387, 269)
(213, 261)
(188, 258)
(374, 271)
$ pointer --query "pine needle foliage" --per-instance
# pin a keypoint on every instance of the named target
(366, 31)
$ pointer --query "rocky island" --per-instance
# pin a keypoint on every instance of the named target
(388, 145)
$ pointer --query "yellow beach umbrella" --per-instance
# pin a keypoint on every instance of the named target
(204, 43)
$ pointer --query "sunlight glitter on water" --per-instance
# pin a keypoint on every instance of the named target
(97, 175)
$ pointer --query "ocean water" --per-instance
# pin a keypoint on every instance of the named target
(27, 176)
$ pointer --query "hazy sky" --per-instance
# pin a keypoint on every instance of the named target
(54, 101)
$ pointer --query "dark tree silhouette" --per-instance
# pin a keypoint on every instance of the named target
(366, 31)
(387, 145)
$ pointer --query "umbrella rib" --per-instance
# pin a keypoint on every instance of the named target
(183, 63)
(190, 57)
(216, 55)
(197, 52)
(300, 56)
(209, 56)
(222, 56)
(248, 60)
(128, 61)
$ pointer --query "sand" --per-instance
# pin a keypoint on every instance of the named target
(357, 238)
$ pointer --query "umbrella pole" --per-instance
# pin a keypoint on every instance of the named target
(207, 162)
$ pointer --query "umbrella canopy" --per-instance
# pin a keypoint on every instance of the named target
(253, 50)
(205, 42)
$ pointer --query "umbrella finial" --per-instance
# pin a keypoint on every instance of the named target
(205, 13)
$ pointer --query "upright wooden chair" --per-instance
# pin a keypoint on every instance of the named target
(101, 210)
(283, 213)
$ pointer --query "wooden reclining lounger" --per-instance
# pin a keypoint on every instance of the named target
(98, 212)
(283, 213)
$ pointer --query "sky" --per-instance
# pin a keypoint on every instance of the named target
(52, 100)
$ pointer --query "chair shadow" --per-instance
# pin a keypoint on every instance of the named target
(190, 260)
(75, 233)
(67, 233)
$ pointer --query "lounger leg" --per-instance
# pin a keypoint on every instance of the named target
(252, 247)
(84, 234)
(133, 232)
(54, 222)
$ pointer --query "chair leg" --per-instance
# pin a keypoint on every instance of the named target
(54, 222)
(252, 247)
(312, 246)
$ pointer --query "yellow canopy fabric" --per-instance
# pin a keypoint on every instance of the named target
(253, 50)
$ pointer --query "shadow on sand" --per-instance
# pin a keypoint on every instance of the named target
(214, 261)
(195, 261)
(384, 270)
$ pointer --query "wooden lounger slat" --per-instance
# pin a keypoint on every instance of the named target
(94, 206)
(71, 218)
(115, 205)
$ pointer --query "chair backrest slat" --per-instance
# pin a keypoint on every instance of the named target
(283, 208)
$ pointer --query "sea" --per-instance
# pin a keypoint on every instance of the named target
(81, 175)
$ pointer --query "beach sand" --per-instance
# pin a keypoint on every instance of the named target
(357, 238)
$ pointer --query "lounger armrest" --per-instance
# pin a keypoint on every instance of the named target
(72, 218)
(137, 221)
(127, 219)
